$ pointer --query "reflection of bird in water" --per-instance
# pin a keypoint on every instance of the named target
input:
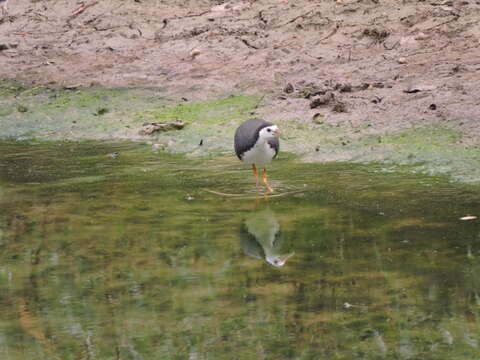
(260, 238)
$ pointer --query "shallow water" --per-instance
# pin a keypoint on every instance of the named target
(134, 257)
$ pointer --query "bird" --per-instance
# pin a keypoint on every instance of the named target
(260, 237)
(256, 143)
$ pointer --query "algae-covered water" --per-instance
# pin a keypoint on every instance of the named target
(113, 251)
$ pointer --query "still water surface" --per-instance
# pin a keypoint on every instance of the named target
(130, 257)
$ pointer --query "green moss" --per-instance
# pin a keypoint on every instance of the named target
(22, 108)
(435, 149)
(6, 110)
(34, 90)
(101, 111)
(83, 98)
(97, 113)
(423, 137)
(211, 123)
(9, 87)
(208, 112)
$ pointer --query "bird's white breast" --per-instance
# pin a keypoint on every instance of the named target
(261, 154)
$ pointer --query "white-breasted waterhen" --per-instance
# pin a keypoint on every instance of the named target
(256, 144)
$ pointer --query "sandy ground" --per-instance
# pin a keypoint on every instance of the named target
(378, 65)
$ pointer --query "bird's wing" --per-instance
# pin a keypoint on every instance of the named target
(250, 245)
(275, 145)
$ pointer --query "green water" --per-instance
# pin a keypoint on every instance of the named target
(131, 257)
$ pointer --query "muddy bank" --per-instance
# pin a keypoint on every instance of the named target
(349, 80)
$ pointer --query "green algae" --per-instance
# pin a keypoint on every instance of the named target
(207, 112)
(97, 113)
(430, 150)
(9, 87)
(211, 124)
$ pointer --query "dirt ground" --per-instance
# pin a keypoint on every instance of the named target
(377, 65)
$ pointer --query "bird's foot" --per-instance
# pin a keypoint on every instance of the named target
(264, 180)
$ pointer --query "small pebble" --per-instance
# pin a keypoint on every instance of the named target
(421, 36)
(340, 107)
(194, 53)
(22, 108)
(321, 100)
(318, 118)
(288, 88)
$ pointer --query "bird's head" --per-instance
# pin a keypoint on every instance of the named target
(269, 132)
(279, 260)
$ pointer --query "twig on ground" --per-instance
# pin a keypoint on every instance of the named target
(194, 15)
(392, 47)
(107, 28)
(313, 57)
(298, 17)
(95, 18)
(165, 21)
(259, 102)
(455, 17)
(334, 31)
(245, 41)
(81, 9)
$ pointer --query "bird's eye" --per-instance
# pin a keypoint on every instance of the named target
(269, 130)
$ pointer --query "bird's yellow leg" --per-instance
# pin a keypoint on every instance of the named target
(255, 172)
(264, 180)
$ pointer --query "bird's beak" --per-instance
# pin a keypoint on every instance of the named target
(277, 133)
(280, 261)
